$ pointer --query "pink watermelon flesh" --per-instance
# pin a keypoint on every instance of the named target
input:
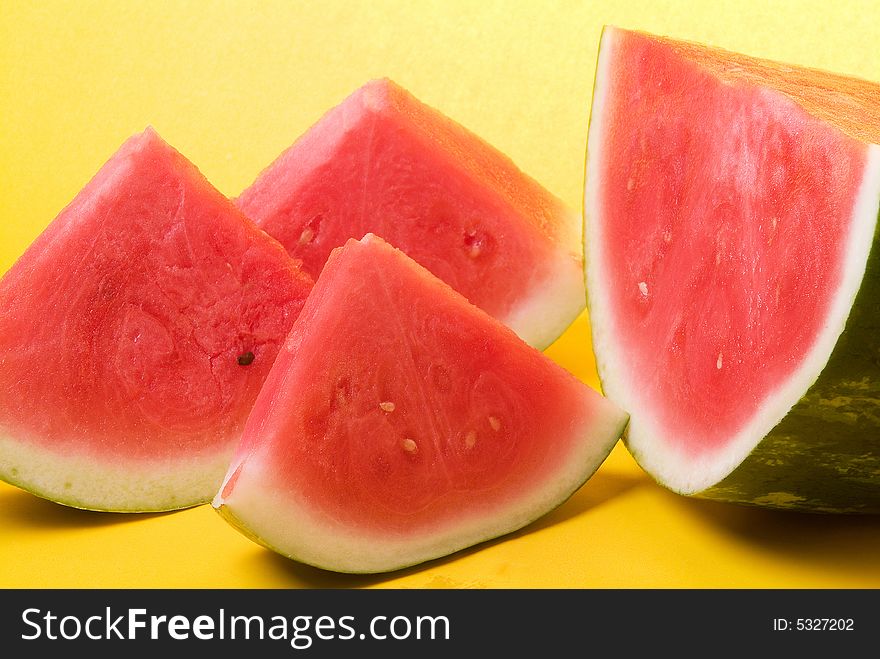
(385, 163)
(401, 423)
(730, 206)
(135, 334)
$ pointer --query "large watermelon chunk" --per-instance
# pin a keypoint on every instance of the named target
(383, 162)
(135, 333)
(401, 423)
(731, 219)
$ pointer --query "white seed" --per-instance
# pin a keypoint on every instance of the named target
(667, 236)
(630, 184)
(386, 406)
(643, 288)
(719, 362)
(473, 243)
(495, 422)
(409, 445)
(470, 439)
(306, 236)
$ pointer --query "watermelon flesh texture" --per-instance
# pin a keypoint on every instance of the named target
(731, 210)
(400, 423)
(383, 162)
(121, 331)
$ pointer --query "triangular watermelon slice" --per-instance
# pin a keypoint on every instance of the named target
(135, 333)
(400, 423)
(384, 162)
(731, 220)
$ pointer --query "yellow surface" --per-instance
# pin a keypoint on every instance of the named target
(231, 84)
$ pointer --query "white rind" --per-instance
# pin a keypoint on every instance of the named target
(673, 467)
(94, 484)
(287, 523)
(597, 304)
(552, 304)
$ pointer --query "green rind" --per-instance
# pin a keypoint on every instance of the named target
(824, 456)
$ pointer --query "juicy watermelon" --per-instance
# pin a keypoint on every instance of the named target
(400, 423)
(731, 218)
(385, 163)
(135, 333)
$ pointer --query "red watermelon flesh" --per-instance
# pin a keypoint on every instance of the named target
(401, 423)
(135, 333)
(383, 162)
(731, 207)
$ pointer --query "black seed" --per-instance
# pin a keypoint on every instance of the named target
(246, 358)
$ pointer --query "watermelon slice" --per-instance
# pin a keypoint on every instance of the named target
(731, 218)
(383, 162)
(135, 333)
(401, 423)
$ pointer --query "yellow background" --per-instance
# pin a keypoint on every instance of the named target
(230, 84)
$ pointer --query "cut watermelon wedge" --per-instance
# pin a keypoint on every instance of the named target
(383, 162)
(135, 333)
(401, 423)
(731, 212)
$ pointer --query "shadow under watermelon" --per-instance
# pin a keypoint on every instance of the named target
(830, 544)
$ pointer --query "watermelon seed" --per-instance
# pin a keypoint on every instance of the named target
(772, 233)
(630, 184)
(344, 389)
(667, 236)
(719, 362)
(245, 359)
(311, 230)
(409, 445)
(643, 288)
(386, 406)
(474, 241)
(470, 439)
(495, 422)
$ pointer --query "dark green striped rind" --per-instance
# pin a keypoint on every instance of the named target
(824, 456)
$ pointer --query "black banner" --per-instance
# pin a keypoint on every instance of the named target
(427, 623)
